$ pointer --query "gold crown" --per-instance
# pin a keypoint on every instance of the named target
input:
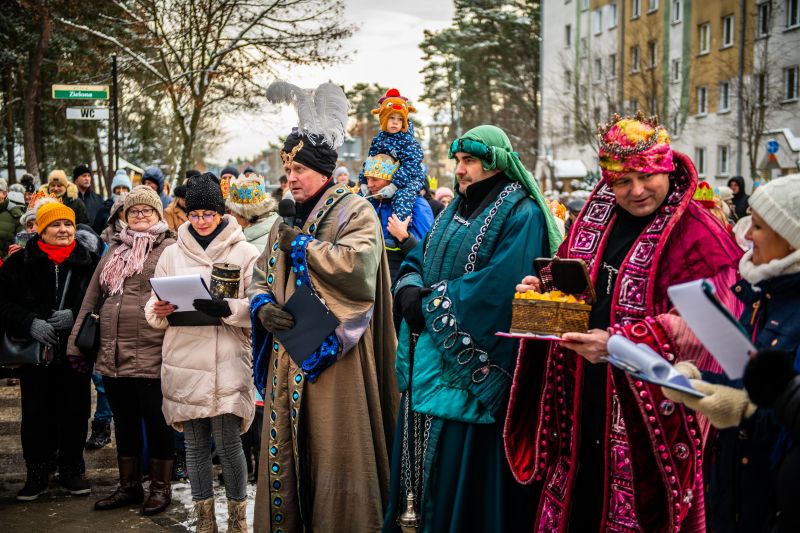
(380, 168)
(250, 193)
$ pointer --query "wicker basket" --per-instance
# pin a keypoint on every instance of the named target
(543, 317)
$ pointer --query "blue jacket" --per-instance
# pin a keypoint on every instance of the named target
(421, 221)
(155, 175)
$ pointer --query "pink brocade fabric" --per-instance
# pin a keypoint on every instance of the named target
(653, 455)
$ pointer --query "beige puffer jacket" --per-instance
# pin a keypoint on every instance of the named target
(207, 370)
(129, 347)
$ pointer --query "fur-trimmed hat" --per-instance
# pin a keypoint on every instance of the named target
(144, 195)
(60, 177)
(249, 198)
(393, 102)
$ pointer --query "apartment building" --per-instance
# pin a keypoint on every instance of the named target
(721, 74)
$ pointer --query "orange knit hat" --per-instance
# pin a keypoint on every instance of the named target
(393, 102)
(49, 213)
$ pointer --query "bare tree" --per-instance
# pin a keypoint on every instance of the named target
(207, 55)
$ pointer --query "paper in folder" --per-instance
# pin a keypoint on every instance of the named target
(182, 291)
(641, 362)
(713, 325)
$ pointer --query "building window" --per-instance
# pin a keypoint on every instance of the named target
(652, 5)
(652, 104)
(584, 47)
(700, 161)
(568, 79)
(598, 69)
(567, 125)
(612, 15)
(790, 87)
(675, 69)
(761, 88)
(597, 21)
(636, 9)
(724, 104)
(568, 35)
(704, 36)
(724, 160)
(702, 101)
(674, 124)
(677, 10)
(612, 66)
(652, 53)
(584, 5)
(633, 106)
(792, 13)
(635, 58)
(727, 31)
(763, 22)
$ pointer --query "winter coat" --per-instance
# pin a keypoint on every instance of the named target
(93, 203)
(71, 200)
(9, 225)
(741, 199)
(28, 281)
(174, 216)
(421, 222)
(746, 461)
(257, 233)
(206, 370)
(101, 218)
(129, 347)
(113, 225)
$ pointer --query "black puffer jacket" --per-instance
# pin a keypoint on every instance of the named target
(28, 281)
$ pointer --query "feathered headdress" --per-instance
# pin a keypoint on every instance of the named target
(322, 116)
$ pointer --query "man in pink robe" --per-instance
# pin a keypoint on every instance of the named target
(610, 453)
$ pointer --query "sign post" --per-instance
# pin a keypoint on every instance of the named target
(80, 92)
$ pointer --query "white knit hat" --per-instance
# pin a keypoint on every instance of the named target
(778, 203)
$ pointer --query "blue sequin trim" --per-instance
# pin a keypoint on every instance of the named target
(261, 343)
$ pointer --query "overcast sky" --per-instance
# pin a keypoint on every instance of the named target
(384, 49)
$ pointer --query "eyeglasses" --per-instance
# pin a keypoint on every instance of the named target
(136, 213)
(472, 147)
(208, 217)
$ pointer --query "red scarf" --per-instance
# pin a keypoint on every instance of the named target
(56, 254)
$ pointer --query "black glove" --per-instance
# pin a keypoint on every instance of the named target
(43, 332)
(767, 375)
(217, 308)
(408, 303)
(61, 320)
(287, 234)
(274, 318)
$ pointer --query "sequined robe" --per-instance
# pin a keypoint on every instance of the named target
(324, 463)
(653, 452)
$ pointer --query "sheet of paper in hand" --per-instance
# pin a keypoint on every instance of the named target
(713, 324)
(182, 291)
(313, 322)
(641, 362)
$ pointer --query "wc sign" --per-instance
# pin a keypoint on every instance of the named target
(87, 113)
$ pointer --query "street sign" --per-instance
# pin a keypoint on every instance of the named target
(772, 146)
(87, 113)
(80, 92)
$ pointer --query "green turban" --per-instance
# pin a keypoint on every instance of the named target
(491, 145)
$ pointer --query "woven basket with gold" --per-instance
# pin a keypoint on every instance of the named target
(545, 317)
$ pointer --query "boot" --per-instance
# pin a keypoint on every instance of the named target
(160, 487)
(237, 516)
(101, 435)
(70, 478)
(206, 519)
(36, 482)
(130, 490)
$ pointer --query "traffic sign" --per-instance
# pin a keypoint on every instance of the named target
(87, 113)
(772, 146)
(80, 92)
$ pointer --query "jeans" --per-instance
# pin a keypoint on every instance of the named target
(102, 412)
(226, 432)
(136, 400)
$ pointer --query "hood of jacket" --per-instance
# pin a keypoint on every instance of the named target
(154, 174)
(72, 190)
(740, 182)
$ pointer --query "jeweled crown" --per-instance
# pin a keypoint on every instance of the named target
(379, 168)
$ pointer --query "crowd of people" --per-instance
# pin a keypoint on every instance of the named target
(356, 374)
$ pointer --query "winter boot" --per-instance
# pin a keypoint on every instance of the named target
(101, 435)
(206, 519)
(160, 487)
(70, 478)
(36, 482)
(237, 516)
(130, 490)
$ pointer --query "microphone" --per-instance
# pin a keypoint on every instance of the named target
(286, 209)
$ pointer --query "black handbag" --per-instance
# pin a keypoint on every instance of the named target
(88, 338)
(15, 351)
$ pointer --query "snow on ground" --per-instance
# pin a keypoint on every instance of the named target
(182, 495)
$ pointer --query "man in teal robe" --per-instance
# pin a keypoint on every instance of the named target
(454, 292)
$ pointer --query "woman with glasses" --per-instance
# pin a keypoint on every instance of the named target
(129, 354)
(207, 374)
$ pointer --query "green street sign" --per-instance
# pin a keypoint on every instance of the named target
(80, 92)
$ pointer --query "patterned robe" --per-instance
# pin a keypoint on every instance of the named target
(653, 452)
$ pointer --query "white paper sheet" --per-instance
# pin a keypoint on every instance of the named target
(717, 329)
(181, 291)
